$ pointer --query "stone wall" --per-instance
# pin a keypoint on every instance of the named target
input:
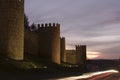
(71, 57)
(81, 54)
(12, 28)
(62, 49)
(31, 42)
(44, 42)
(49, 36)
(77, 56)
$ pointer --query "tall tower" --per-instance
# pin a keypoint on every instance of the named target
(49, 36)
(12, 28)
(62, 49)
(81, 54)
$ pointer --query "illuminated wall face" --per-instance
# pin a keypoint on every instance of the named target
(49, 41)
(71, 56)
(12, 28)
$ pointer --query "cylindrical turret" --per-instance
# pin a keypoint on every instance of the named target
(81, 54)
(12, 28)
(49, 36)
(62, 49)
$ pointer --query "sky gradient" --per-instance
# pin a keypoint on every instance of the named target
(95, 23)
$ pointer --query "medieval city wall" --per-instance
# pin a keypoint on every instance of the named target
(62, 49)
(31, 42)
(49, 36)
(45, 41)
(77, 56)
(71, 57)
(81, 54)
(12, 28)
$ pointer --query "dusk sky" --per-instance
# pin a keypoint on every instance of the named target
(95, 23)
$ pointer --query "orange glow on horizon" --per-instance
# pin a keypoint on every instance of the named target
(92, 55)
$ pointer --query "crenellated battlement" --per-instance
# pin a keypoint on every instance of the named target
(79, 46)
(62, 37)
(48, 28)
(48, 25)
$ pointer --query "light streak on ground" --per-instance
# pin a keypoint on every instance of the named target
(88, 75)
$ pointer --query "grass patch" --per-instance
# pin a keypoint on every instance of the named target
(35, 64)
(30, 62)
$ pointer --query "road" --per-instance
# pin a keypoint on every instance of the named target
(101, 75)
(106, 76)
(112, 77)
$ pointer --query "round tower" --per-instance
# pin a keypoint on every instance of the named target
(81, 54)
(49, 36)
(62, 49)
(12, 28)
